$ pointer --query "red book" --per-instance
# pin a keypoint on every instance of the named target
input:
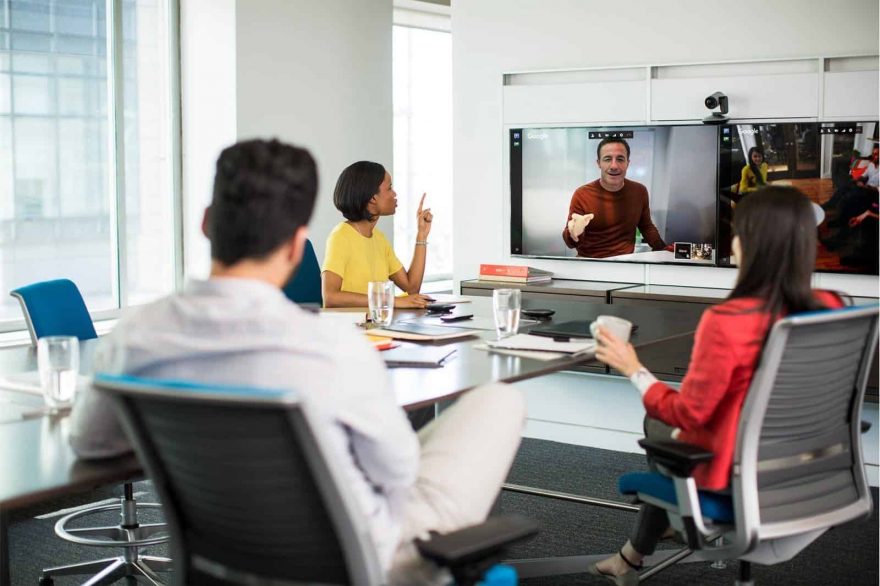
(518, 271)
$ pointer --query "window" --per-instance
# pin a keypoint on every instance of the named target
(87, 158)
(423, 136)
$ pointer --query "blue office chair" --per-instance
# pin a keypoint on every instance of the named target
(798, 467)
(305, 285)
(253, 495)
(54, 308)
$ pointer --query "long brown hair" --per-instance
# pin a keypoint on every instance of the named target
(777, 231)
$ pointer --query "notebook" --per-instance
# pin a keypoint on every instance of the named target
(541, 344)
(417, 356)
(420, 332)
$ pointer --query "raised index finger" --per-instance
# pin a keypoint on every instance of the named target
(421, 203)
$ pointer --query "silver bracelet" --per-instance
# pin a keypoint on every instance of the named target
(421, 242)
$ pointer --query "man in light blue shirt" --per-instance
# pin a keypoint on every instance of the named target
(237, 327)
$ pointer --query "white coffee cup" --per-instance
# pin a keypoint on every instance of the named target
(618, 326)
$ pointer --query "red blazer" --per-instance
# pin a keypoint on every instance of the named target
(726, 349)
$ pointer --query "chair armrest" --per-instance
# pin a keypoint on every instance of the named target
(677, 457)
(478, 543)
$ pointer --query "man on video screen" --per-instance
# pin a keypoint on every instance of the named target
(604, 214)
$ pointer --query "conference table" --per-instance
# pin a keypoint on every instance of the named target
(37, 464)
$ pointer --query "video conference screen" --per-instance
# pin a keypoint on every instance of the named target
(834, 164)
(665, 211)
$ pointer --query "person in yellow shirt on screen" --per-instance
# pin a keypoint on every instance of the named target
(358, 252)
(754, 174)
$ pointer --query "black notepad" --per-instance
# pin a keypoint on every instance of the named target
(417, 356)
(579, 328)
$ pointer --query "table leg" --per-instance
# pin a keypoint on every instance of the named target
(4, 548)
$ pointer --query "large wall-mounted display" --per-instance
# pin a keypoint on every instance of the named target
(680, 185)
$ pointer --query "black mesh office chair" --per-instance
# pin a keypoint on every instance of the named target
(798, 467)
(251, 495)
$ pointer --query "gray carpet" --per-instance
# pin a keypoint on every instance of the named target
(846, 555)
(33, 544)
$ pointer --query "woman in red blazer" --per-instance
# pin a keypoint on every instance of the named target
(775, 245)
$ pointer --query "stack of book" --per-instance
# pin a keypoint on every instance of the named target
(514, 274)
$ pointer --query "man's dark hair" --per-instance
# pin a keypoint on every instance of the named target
(605, 141)
(356, 186)
(264, 191)
(777, 231)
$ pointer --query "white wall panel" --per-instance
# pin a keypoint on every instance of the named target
(777, 96)
(575, 103)
(852, 94)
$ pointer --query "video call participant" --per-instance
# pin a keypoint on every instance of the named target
(603, 215)
(870, 176)
(754, 173)
(238, 328)
(358, 252)
(775, 244)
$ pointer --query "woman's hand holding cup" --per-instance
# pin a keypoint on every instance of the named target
(612, 344)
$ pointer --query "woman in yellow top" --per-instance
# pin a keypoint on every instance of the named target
(357, 252)
(754, 175)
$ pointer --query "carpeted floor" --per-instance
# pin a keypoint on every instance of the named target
(846, 555)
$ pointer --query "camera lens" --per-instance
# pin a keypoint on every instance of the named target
(711, 102)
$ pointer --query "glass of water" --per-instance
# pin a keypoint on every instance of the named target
(380, 296)
(506, 304)
(58, 362)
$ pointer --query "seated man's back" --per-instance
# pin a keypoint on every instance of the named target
(246, 332)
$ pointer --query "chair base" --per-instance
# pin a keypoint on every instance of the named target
(109, 570)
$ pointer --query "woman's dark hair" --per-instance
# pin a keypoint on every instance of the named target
(264, 191)
(777, 231)
(356, 186)
(756, 169)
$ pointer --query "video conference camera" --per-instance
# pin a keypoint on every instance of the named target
(717, 102)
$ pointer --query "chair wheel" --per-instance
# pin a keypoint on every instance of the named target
(47, 582)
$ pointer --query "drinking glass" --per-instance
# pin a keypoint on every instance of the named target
(380, 297)
(506, 304)
(58, 362)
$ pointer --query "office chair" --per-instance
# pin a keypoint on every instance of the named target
(305, 285)
(56, 308)
(252, 494)
(797, 468)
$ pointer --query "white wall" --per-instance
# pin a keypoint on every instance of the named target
(493, 37)
(207, 88)
(318, 74)
(313, 73)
